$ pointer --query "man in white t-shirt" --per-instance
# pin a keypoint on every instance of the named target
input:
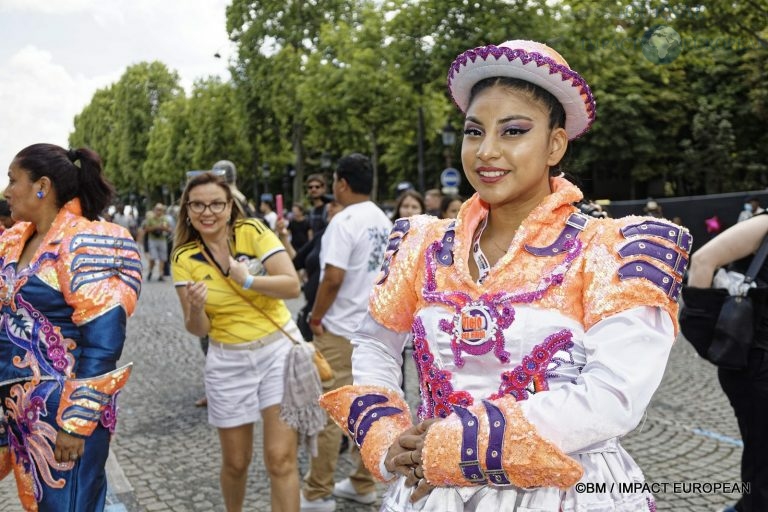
(352, 250)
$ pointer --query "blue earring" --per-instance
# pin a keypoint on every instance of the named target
(39, 194)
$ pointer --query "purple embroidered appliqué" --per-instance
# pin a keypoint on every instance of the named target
(438, 395)
(535, 367)
(109, 414)
(399, 231)
(31, 330)
(478, 324)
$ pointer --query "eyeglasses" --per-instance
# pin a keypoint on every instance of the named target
(199, 207)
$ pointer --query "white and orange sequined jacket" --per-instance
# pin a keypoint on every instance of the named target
(575, 323)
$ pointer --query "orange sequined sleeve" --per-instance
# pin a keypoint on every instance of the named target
(394, 298)
(99, 271)
(374, 416)
(492, 443)
(632, 262)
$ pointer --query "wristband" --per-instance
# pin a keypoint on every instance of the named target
(248, 282)
(315, 321)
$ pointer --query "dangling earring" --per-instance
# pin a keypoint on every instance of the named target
(39, 194)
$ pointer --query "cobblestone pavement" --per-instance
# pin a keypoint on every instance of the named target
(169, 455)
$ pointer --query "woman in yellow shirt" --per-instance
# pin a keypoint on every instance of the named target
(248, 346)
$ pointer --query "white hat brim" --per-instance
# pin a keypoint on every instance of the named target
(528, 61)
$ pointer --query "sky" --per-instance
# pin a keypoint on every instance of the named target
(55, 54)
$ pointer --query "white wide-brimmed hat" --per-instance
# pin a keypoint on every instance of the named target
(530, 61)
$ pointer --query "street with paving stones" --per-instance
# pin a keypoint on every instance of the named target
(170, 455)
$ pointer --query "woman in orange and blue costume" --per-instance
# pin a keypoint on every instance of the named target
(539, 334)
(68, 283)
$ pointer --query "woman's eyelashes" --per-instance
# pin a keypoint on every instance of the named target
(513, 130)
(473, 131)
(516, 129)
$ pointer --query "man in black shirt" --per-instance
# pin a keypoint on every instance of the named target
(318, 215)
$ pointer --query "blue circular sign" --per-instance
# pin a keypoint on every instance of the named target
(450, 177)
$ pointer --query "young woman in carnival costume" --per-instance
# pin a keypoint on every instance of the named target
(68, 283)
(539, 334)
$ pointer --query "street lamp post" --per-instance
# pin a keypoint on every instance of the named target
(325, 161)
(265, 177)
(420, 150)
(449, 139)
(288, 177)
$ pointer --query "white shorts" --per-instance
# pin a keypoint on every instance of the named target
(239, 383)
(158, 249)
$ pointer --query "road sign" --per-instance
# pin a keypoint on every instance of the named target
(450, 177)
(450, 191)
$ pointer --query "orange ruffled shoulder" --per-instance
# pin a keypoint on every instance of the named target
(395, 296)
(100, 269)
(633, 261)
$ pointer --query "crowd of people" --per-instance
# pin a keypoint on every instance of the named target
(523, 304)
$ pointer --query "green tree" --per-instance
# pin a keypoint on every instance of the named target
(217, 126)
(138, 96)
(93, 126)
(169, 150)
(275, 38)
(371, 104)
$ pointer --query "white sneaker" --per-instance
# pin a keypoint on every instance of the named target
(346, 490)
(318, 505)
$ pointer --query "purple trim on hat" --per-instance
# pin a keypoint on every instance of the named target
(525, 57)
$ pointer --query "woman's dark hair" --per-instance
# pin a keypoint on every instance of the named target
(544, 97)
(413, 194)
(445, 203)
(85, 181)
(184, 230)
